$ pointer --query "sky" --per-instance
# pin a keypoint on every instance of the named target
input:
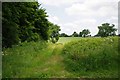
(76, 15)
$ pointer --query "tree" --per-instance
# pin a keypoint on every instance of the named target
(41, 23)
(106, 30)
(80, 34)
(53, 32)
(9, 25)
(23, 21)
(27, 20)
(75, 34)
(17, 21)
(63, 35)
(85, 33)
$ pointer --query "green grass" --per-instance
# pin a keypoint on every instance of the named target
(34, 59)
(92, 57)
(65, 40)
(47, 60)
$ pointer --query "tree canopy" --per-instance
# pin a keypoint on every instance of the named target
(53, 32)
(75, 34)
(84, 33)
(64, 35)
(25, 21)
(106, 30)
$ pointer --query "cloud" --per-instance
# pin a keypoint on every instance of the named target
(69, 28)
(57, 2)
(93, 8)
(76, 15)
(79, 25)
(53, 19)
(69, 2)
(92, 13)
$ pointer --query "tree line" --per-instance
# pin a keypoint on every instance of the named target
(26, 21)
(104, 30)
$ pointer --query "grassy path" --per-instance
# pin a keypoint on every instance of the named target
(35, 60)
(53, 66)
(22, 62)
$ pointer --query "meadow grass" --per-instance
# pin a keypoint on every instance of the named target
(20, 60)
(92, 57)
(33, 60)
(70, 57)
(65, 40)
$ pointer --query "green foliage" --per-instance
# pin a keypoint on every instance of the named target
(106, 30)
(80, 34)
(63, 35)
(10, 34)
(9, 30)
(33, 60)
(84, 33)
(53, 32)
(26, 21)
(47, 60)
(75, 34)
(92, 55)
(42, 24)
(34, 37)
(18, 60)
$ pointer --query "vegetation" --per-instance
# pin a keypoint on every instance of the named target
(54, 32)
(75, 34)
(84, 33)
(25, 21)
(73, 58)
(64, 35)
(34, 60)
(28, 22)
(32, 46)
(92, 55)
(106, 30)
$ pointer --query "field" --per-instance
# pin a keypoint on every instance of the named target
(70, 57)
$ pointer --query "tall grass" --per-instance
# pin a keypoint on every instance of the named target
(96, 55)
(77, 57)
(20, 60)
(33, 60)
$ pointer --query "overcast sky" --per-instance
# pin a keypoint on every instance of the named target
(76, 15)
